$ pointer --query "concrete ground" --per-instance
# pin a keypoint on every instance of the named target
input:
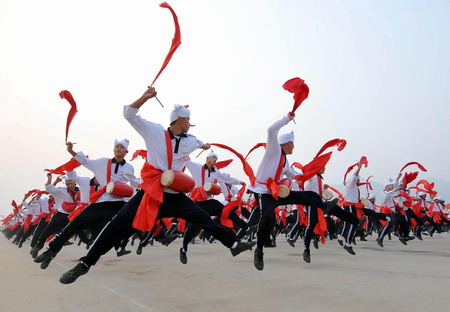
(394, 278)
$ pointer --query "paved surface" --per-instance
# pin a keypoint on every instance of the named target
(394, 278)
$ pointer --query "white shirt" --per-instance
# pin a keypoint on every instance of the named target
(43, 202)
(269, 164)
(84, 184)
(125, 174)
(61, 194)
(313, 185)
(155, 142)
(352, 190)
(210, 175)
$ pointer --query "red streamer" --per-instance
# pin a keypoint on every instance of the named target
(142, 153)
(414, 163)
(255, 147)
(176, 41)
(73, 110)
(340, 143)
(300, 90)
(247, 169)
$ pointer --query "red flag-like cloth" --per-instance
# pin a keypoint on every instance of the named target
(176, 41)
(414, 163)
(340, 143)
(297, 165)
(16, 207)
(255, 147)
(300, 90)
(247, 169)
(409, 177)
(73, 110)
(223, 163)
(142, 153)
(230, 206)
(311, 169)
(363, 160)
(368, 185)
(426, 184)
(339, 194)
(31, 192)
(153, 197)
(67, 167)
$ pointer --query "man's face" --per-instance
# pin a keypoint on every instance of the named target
(185, 123)
(388, 188)
(70, 184)
(288, 147)
(120, 151)
(211, 161)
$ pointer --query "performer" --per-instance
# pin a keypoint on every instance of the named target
(166, 150)
(46, 209)
(272, 168)
(66, 199)
(202, 174)
(34, 210)
(104, 206)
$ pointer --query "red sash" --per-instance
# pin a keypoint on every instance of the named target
(94, 196)
(153, 197)
(77, 211)
(272, 184)
(69, 207)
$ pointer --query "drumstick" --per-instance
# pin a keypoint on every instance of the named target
(159, 101)
(199, 154)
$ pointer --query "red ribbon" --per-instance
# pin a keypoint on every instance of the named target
(67, 167)
(312, 168)
(255, 147)
(300, 90)
(247, 169)
(229, 207)
(414, 163)
(222, 164)
(340, 143)
(73, 110)
(142, 153)
(176, 41)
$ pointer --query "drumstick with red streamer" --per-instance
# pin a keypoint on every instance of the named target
(300, 90)
(176, 41)
(73, 110)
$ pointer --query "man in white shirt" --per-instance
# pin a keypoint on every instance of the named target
(104, 207)
(167, 149)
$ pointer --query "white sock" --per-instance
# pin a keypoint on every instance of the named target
(234, 245)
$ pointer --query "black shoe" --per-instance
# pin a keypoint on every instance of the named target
(168, 239)
(403, 240)
(139, 250)
(291, 242)
(363, 239)
(316, 243)
(270, 244)
(20, 245)
(350, 250)
(379, 242)
(123, 252)
(409, 238)
(183, 256)
(68, 243)
(74, 273)
(341, 242)
(242, 247)
(420, 238)
(306, 256)
(45, 257)
(258, 260)
(34, 251)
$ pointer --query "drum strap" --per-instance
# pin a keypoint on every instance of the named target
(169, 149)
(281, 164)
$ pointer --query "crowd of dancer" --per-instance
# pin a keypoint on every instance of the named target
(112, 206)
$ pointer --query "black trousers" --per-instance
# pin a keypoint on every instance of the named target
(27, 234)
(38, 231)
(349, 230)
(56, 224)
(174, 205)
(92, 216)
(397, 219)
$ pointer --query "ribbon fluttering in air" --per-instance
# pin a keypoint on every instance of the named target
(67, 167)
(414, 163)
(142, 153)
(363, 161)
(247, 169)
(255, 147)
(340, 143)
(223, 163)
(409, 177)
(312, 168)
(368, 185)
(176, 41)
(73, 110)
(300, 90)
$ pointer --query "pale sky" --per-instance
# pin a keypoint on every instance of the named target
(377, 72)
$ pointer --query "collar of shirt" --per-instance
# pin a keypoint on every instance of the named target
(123, 162)
(172, 136)
(209, 171)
